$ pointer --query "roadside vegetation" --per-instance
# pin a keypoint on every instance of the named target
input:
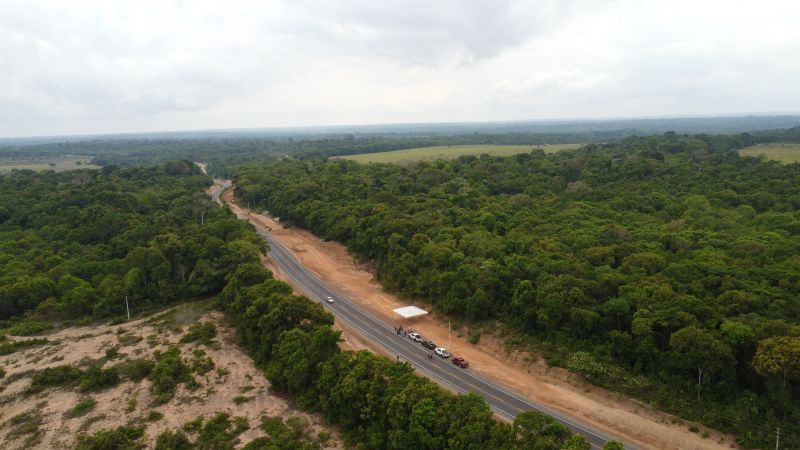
(377, 402)
(665, 267)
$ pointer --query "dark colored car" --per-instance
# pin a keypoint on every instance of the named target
(428, 344)
(460, 362)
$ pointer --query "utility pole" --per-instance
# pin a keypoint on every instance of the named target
(127, 309)
(777, 437)
(449, 344)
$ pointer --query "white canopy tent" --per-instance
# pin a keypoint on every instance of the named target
(408, 312)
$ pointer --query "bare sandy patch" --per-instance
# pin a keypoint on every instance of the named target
(233, 375)
(523, 372)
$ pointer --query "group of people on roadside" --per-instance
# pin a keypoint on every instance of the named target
(403, 332)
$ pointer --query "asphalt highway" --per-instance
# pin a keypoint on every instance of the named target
(503, 401)
(216, 194)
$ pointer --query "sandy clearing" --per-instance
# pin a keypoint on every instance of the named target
(239, 377)
(629, 419)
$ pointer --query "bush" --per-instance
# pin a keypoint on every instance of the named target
(66, 375)
(202, 365)
(290, 434)
(96, 379)
(168, 372)
(129, 339)
(474, 337)
(239, 399)
(83, 407)
(203, 332)
(218, 434)
(2, 372)
(121, 438)
(25, 423)
(613, 445)
(8, 347)
(28, 328)
(173, 441)
(154, 416)
(112, 352)
(193, 426)
(117, 320)
(136, 369)
(131, 406)
(592, 368)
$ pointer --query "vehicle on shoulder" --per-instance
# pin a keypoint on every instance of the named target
(415, 337)
(440, 351)
(460, 362)
(428, 344)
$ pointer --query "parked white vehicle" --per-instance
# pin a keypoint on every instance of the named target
(415, 337)
(442, 352)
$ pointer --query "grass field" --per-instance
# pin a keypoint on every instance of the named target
(785, 153)
(450, 152)
(57, 163)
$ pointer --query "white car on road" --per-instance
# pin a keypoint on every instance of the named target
(329, 299)
(442, 352)
(415, 337)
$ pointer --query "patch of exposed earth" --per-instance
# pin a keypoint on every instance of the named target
(234, 385)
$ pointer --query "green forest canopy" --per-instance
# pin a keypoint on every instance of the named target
(75, 243)
(664, 264)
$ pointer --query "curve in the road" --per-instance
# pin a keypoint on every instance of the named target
(215, 195)
(503, 401)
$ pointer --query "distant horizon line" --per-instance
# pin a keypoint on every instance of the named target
(317, 128)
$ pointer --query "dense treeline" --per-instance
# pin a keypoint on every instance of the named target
(379, 403)
(223, 151)
(75, 244)
(666, 266)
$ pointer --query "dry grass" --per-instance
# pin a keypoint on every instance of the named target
(451, 152)
(57, 163)
(784, 152)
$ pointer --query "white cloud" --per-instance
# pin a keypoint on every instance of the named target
(110, 66)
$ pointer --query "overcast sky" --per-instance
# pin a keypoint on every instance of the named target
(76, 67)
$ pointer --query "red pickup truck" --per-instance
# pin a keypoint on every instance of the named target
(460, 362)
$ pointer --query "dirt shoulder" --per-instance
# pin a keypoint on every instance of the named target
(629, 419)
(234, 385)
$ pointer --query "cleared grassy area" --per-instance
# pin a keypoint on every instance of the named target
(785, 153)
(58, 163)
(453, 151)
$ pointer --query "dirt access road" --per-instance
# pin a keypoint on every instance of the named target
(559, 389)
